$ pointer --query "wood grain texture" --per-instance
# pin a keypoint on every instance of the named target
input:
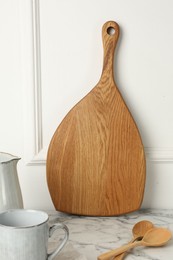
(96, 161)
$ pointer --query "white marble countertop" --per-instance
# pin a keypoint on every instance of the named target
(91, 236)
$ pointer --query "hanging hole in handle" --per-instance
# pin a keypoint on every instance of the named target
(111, 30)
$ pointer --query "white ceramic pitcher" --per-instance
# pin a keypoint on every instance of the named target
(10, 192)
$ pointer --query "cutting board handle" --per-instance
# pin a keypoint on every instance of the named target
(110, 35)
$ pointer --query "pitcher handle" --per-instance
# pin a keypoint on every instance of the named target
(66, 236)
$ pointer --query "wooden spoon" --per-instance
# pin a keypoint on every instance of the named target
(154, 237)
(139, 230)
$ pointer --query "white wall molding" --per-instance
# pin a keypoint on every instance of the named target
(38, 151)
(37, 77)
(31, 80)
(162, 155)
(156, 155)
(35, 150)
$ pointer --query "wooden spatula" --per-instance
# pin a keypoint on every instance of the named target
(95, 161)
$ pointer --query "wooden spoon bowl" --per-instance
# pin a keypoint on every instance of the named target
(156, 237)
(139, 230)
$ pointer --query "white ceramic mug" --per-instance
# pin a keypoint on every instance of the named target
(24, 235)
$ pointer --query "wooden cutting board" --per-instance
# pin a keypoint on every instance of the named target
(95, 161)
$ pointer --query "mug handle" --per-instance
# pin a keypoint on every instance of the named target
(66, 236)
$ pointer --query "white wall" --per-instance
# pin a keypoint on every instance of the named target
(41, 78)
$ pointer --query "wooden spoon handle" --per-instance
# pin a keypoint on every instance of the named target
(110, 34)
(121, 256)
(112, 253)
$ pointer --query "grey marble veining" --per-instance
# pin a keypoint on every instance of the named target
(91, 236)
